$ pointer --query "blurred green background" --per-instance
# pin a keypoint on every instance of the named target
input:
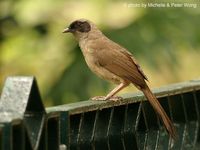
(165, 41)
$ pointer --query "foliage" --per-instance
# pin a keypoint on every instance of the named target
(165, 41)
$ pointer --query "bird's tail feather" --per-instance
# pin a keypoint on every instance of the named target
(160, 111)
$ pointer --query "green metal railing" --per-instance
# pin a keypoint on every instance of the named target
(97, 125)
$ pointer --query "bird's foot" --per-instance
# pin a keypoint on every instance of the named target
(103, 98)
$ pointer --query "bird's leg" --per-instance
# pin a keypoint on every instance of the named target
(110, 95)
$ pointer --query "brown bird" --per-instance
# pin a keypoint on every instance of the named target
(114, 63)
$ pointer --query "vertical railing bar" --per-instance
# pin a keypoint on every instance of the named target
(7, 137)
(146, 124)
(109, 124)
(158, 132)
(157, 139)
(172, 118)
(21, 131)
(184, 109)
(184, 133)
(123, 131)
(170, 108)
(137, 121)
(64, 128)
(145, 120)
(58, 130)
(196, 104)
(94, 129)
(198, 116)
(53, 130)
(79, 131)
(23, 136)
(186, 119)
(46, 134)
(11, 135)
(159, 128)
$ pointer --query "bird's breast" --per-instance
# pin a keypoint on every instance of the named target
(91, 60)
(93, 64)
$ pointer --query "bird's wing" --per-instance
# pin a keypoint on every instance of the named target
(119, 61)
(135, 62)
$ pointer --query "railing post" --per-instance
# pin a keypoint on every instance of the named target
(20, 100)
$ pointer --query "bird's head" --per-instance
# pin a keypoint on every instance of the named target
(82, 28)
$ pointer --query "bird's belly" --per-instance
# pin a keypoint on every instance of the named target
(101, 71)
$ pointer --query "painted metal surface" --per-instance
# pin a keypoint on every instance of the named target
(125, 125)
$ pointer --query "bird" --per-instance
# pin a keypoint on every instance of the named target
(114, 63)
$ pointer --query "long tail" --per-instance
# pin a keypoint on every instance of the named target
(160, 111)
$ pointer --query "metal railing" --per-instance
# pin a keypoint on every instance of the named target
(97, 125)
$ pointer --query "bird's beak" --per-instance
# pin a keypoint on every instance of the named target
(66, 30)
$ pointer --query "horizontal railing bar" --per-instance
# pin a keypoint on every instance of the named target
(85, 106)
